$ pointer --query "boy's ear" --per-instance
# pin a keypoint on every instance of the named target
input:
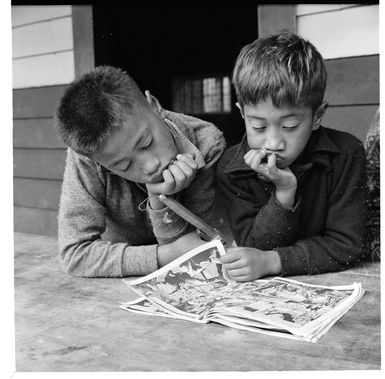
(240, 109)
(319, 115)
(154, 104)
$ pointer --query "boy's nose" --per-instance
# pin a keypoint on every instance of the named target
(274, 141)
(150, 165)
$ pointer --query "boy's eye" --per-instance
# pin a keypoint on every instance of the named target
(290, 126)
(259, 128)
(147, 142)
(124, 166)
(291, 123)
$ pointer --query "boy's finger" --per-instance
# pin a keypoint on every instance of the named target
(168, 178)
(184, 167)
(272, 166)
(253, 160)
(241, 278)
(187, 158)
(237, 264)
(230, 256)
(256, 163)
(177, 173)
(234, 272)
(249, 156)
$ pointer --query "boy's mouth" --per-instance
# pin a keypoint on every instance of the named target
(267, 155)
(158, 177)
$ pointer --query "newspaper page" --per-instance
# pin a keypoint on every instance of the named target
(195, 287)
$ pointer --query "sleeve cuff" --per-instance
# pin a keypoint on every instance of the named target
(139, 261)
(294, 262)
(280, 208)
(166, 223)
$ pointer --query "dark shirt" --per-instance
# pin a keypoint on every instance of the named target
(325, 230)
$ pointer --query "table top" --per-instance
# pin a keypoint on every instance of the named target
(63, 323)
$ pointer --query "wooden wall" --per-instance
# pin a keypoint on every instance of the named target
(46, 58)
(347, 35)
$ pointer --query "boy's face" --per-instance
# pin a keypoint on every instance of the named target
(284, 131)
(141, 149)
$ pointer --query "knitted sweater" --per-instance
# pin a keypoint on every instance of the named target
(102, 232)
(325, 231)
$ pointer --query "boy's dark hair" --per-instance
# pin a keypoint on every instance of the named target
(284, 67)
(94, 105)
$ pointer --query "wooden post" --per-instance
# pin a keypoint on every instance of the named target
(276, 18)
(82, 26)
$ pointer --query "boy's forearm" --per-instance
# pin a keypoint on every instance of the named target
(102, 259)
(167, 253)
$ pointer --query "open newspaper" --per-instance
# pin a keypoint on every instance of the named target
(195, 287)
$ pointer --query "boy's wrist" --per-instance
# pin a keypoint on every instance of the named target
(155, 203)
(273, 262)
(286, 197)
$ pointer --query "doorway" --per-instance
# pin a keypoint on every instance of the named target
(169, 46)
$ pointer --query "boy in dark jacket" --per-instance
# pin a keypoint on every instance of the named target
(294, 190)
(124, 150)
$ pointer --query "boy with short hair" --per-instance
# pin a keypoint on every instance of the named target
(294, 190)
(124, 150)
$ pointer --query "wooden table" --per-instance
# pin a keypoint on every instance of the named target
(74, 324)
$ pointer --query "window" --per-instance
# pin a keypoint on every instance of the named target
(202, 95)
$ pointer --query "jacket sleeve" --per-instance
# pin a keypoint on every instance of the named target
(198, 198)
(82, 221)
(258, 220)
(341, 245)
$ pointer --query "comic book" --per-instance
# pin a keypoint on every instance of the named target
(195, 287)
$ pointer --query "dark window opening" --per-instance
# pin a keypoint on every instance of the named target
(198, 96)
(182, 52)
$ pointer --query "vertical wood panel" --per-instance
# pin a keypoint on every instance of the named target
(27, 14)
(273, 19)
(83, 38)
(42, 38)
(343, 33)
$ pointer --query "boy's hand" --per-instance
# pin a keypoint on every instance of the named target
(246, 263)
(283, 179)
(177, 177)
(167, 253)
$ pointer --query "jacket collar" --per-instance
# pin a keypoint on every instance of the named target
(318, 150)
(183, 144)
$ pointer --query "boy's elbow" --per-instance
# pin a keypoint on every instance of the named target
(355, 253)
(70, 262)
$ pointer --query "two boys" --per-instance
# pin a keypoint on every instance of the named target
(294, 190)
